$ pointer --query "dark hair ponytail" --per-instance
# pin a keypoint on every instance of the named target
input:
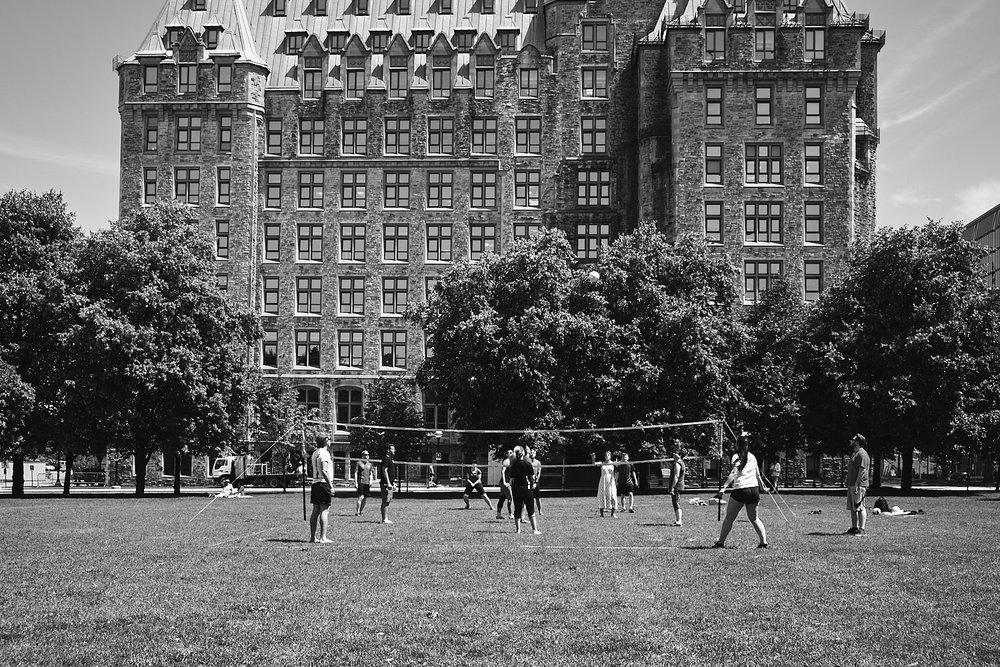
(743, 443)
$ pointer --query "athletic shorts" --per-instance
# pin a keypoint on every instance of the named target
(522, 499)
(321, 494)
(386, 494)
(474, 488)
(747, 496)
(364, 490)
(626, 488)
(675, 497)
(536, 491)
(505, 492)
(856, 498)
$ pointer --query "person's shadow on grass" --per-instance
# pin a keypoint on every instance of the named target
(819, 534)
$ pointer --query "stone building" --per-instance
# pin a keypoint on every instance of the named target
(345, 153)
(985, 230)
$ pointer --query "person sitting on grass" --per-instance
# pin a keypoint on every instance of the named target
(227, 491)
(474, 484)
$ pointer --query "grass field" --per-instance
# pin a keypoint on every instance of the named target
(120, 581)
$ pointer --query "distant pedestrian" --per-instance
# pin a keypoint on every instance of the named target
(628, 482)
(505, 490)
(363, 481)
(745, 480)
(522, 476)
(387, 477)
(607, 494)
(474, 484)
(678, 470)
(536, 490)
(858, 475)
(321, 494)
(774, 472)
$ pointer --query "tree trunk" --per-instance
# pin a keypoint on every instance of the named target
(177, 472)
(876, 468)
(68, 477)
(141, 461)
(906, 474)
(17, 488)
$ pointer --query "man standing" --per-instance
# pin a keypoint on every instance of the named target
(388, 480)
(536, 490)
(677, 471)
(857, 485)
(774, 472)
(628, 482)
(322, 489)
(505, 491)
(362, 481)
(522, 477)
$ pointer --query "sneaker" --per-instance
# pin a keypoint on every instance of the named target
(718, 545)
(386, 521)
(499, 518)
(536, 532)
(677, 523)
(631, 511)
(861, 532)
(851, 531)
(764, 545)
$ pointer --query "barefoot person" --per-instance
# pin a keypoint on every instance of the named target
(505, 490)
(474, 484)
(745, 480)
(628, 482)
(677, 471)
(322, 490)
(607, 494)
(857, 485)
(536, 490)
(387, 477)
(522, 476)
(363, 481)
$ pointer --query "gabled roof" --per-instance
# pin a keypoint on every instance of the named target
(685, 12)
(153, 49)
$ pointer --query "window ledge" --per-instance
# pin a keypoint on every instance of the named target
(814, 186)
(762, 245)
(813, 244)
(395, 316)
(764, 185)
(309, 315)
(353, 316)
(715, 186)
(269, 314)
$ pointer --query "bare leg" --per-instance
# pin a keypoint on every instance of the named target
(757, 524)
(732, 510)
(862, 517)
(534, 526)
(486, 499)
(313, 521)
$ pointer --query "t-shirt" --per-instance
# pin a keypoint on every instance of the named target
(388, 469)
(521, 474)
(364, 472)
(747, 478)
(505, 471)
(625, 474)
(857, 469)
(322, 463)
(537, 467)
(474, 475)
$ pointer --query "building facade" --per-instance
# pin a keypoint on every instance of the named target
(346, 153)
(985, 230)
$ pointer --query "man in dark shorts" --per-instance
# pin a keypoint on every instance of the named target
(857, 485)
(677, 472)
(536, 490)
(522, 477)
(505, 492)
(321, 493)
(363, 481)
(387, 476)
(474, 484)
(628, 482)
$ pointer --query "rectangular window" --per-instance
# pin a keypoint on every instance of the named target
(271, 295)
(269, 349)
(528, 136)
(482, 239)
(757, 277)
(484, 189)
(187, 79)
(713, 221)
(354, 189)
(715, 43)
(813, 155)
(590, 238)
(441, 76)
(222, 281)
(814, 106)
(714, 106)
(187, 184)
(486, 76)
(524, 229)
(813, 231)
(813, 278)
(396, 243)
(764, 44)
(430, 285)
(225, 133)
(188, 134)
(527, 188)
(394, 349)
(310, 243)
(311, 137)
(507, 40)
(593, 135)
(394, 291)
(355, 135)
(764, 104)
(152, 133)
(223, 189)
(274, 136)
(445, 6)
(403, 6)
(439, 189)
(594, 82)
(312, 78)
(352, 242)
(815, 44)
(150, 76)
(464, 39)
(149, 185)
(421, 40)
(311, 189)
(225, 78)
(595, 36)
(307, 348)
(763, 222)
(352, 296)
(484, 136)
(763, 163)
(527, 78)
(350, 348)
(272, 242)
(399, 76)
(593, 187)
(530, 6)
(319, 7)
(488, 6)
(308, 295)
(380, 41)
(714, 164)
(397, 136)
(280, 7)
(361, 7)
(438, 242)
(397, 189)
(441, 136)
(222, 239)
(272, 195)
(356, 79)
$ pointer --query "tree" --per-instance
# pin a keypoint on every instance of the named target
(389, 402)
(278, 417)
(891, 350)
(160, 352)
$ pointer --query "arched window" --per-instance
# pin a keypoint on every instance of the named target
(350, 403)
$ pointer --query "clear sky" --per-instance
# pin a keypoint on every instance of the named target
(939, 97)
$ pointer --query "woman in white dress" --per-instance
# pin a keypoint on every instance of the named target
(607, 491)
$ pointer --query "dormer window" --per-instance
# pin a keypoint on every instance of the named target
(380, 41)
(486, 75)
(464, 39)
(421, 41)
(338, 41)
(312, 78)
(715, 37)
(444, 6)
(174, 36)
(403, 6)
(212, 38)
(320, 7)
(530, 6)
(441, 76)
(507, 39)
(198, 5)
(399, 75)
(789, 6)
(764, 44)
(280, 7)
(488, 6)
(296, 41)
(815, 37)
(740, 6)
(356, 78)
(361, 7)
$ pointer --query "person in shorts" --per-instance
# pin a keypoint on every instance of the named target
(387, 477)
(628, 482)
(505, 491)
(321, 494)
(536, 490)
(676, 484)
(858, 470)
(522, 476)
(474, 485)
(363, 481)
(745, 480)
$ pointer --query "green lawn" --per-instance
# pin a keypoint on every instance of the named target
(120, 581)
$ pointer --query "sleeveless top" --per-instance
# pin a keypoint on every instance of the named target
(474, 475)
(364, 472)
(680, 475)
